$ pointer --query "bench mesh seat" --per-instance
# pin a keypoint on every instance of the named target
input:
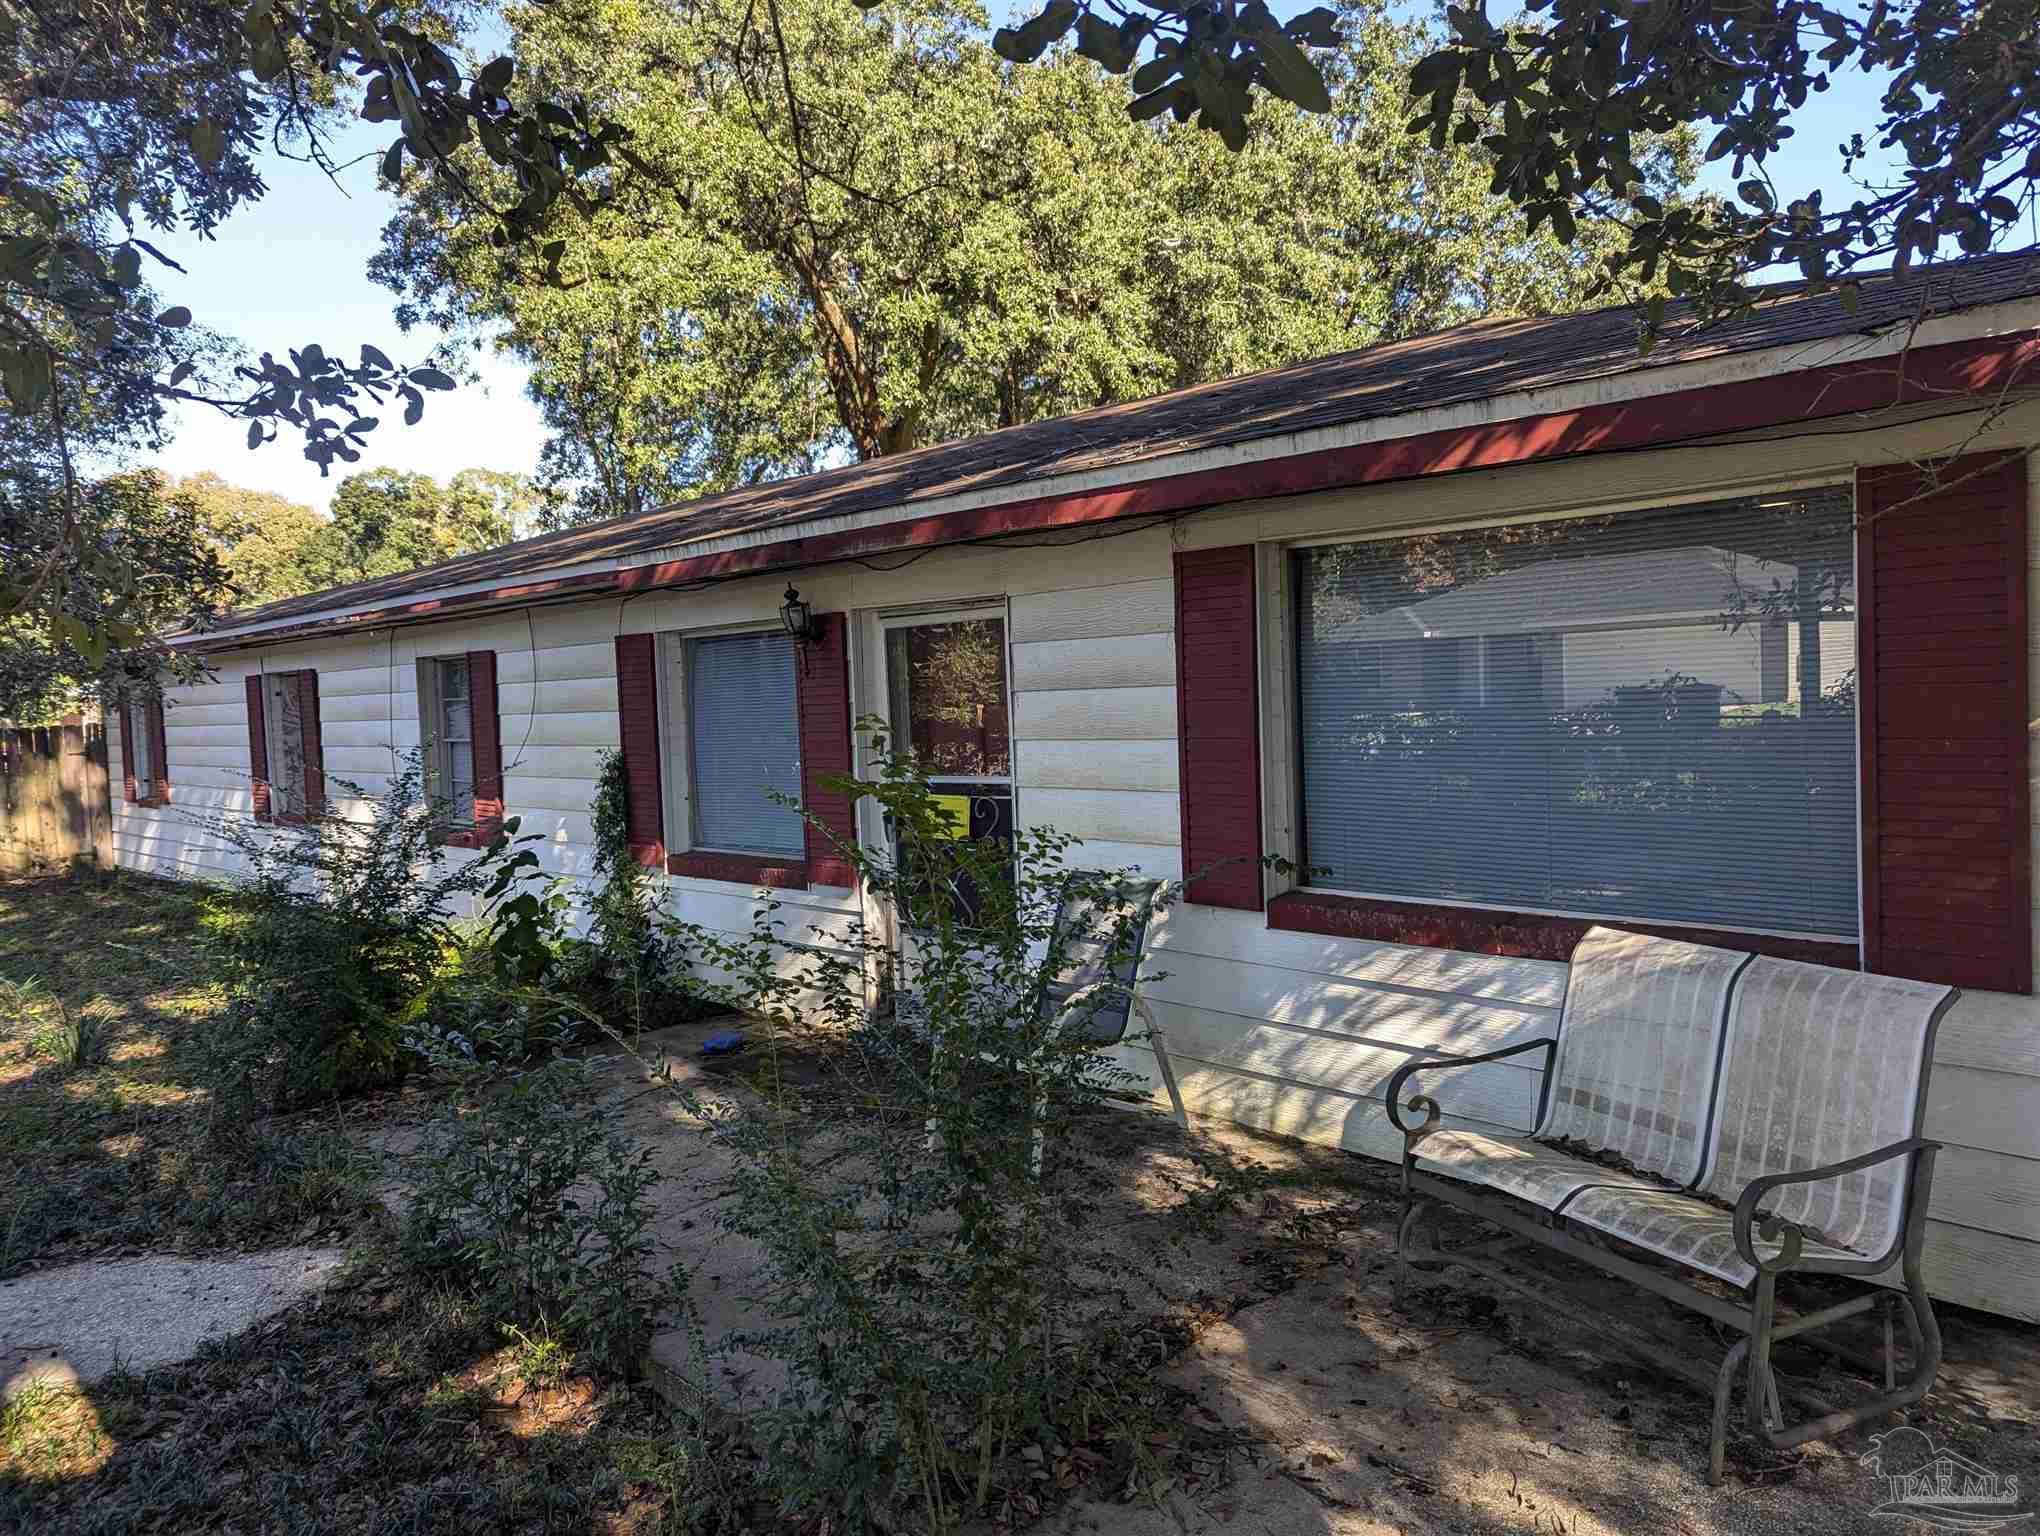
(1682, 1228)
(1639, 1040)
(1516, 1165)
(1819, 1066)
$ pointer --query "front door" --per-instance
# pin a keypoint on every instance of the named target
(948, 702)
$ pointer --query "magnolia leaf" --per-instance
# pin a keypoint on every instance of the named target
(1156, 73)
(1100, 40)
(179, 374)
(1019, 45)
(431, 378)
(393, 162)
(1153, 104)
(1438, 72)
(176, 317)
(1291, 74)
(254, 434)
(495, 75)
(1319, 27)
(373, 357)
(208, 142)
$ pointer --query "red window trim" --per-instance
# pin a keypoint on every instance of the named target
(638, 705)
(1519, 935)
(774, 872)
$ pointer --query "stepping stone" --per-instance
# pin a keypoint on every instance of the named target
(71, 1326)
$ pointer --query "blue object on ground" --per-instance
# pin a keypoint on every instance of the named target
(722, 1044)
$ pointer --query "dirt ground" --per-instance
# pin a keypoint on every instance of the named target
(1254, 1272)
(1318, 1405)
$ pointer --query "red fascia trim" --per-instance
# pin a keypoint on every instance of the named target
(744, 868)
(1930, 374)
(1523, 935)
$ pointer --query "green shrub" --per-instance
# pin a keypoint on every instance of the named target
(529, 1197)
(330, 937)
(916, 1258)
(71, 1038)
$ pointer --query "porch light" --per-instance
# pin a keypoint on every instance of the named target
(798, 618)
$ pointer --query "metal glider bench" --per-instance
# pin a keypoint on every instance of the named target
(1772, 1111)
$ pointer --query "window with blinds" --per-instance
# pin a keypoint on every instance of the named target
(447, 721)
(743, 729)
(1646, 715)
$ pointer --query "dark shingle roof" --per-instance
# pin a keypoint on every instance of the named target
(1453, 367)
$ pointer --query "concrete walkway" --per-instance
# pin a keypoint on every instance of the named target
(70, 1326)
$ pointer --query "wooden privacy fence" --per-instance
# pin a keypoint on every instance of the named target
(54, 807)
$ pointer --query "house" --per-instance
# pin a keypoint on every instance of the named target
(1496, 631)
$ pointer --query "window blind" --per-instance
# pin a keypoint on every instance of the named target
(743, 726)
(1647, 714)
(456, 739)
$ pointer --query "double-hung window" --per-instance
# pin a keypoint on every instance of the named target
(447, 713)
(1647, 715)
(139, 744)
(734, 707)
(284, 723)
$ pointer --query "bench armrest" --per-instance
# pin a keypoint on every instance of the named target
(1428, 1105)
(1773, 1230)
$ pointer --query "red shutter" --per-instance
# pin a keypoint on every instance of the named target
(127, 750)
(486, 726)
(637, 708)
(1218, 726)
(825, 749)
(1941, 565)
(258, 748)
(159, 748)
(307, 683)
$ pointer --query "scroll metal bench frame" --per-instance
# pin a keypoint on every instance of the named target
(1754, 1314)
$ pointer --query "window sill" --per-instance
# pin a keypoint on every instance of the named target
(782, 874)
(1519, 935)
(149, 802)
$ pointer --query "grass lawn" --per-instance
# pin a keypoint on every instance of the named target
(113, 1154)
(388, 1405)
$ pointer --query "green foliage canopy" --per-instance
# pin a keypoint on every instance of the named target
(884, 236)
(1563, 98)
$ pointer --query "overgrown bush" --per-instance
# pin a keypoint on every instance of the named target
(524, 1191)
(331, 935)
(629, 973)
(918, 1261)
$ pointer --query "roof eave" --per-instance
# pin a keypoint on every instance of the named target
(1989, 348)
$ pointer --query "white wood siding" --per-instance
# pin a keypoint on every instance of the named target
(1291, 1032)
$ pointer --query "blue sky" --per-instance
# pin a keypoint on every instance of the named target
(292, 269)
